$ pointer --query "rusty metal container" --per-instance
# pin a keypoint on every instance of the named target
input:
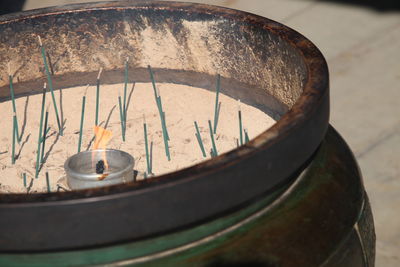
(293, 196)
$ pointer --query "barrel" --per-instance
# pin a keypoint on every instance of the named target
(292, 196)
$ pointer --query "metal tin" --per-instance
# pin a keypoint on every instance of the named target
(81, 173)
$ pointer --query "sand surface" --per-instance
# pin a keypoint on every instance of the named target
(182, 105)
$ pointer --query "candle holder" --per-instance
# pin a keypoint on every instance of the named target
(97, 168)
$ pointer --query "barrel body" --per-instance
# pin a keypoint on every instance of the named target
(322, 219)
(292, 196)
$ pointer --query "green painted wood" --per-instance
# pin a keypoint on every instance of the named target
(121, 252)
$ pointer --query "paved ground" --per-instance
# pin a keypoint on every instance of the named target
(362, 47)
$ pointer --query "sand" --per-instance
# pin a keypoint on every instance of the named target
(182, 105)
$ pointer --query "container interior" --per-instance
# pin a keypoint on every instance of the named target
(184, 46)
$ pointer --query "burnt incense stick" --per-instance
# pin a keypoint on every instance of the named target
(146, 145)
(24, 179)
(246, 136)
(121, 117)
(98, 97)
(45, 131)
(199, 140)
(157, 97)
(214, 148)
(10, 77)
(48, 182)
(40, 131)
(14, 134)
(217, 103)
(240, 124)
(50, 82)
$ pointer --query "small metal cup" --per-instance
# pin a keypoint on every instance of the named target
(81, 169)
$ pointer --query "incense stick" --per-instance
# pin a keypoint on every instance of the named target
(14, 133)
(40, 131)
(48, 182)
(98, 96)
(125, 87)
(50, 82)
(81, 126)
(45, 131)
(151, 156)
(10, 77)
(165, 136)
(217, 119)
(121, 117)
(199, 140)
(240, 123)
(161, 112)
(217, 104)
(246, 136)
(24, 179)
(214, 148)
(146, 145)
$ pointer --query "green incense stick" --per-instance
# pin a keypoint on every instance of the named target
(199, 140)
(246, 136)
(125, 88)
(217, 103)
(13, 103)
(45, 131)
(121, 116)
(217, 119)
(166, 143)
(24, 179)
(165, 124)
(152, 80)
(214, 148)
(212, 153)
(81, 126)
(40, 132)
(151, 156)
(98, 96)
(161, 112)
(240, 124)
(14, 133)
(48, 182)
(50, 82)
(146, 146)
